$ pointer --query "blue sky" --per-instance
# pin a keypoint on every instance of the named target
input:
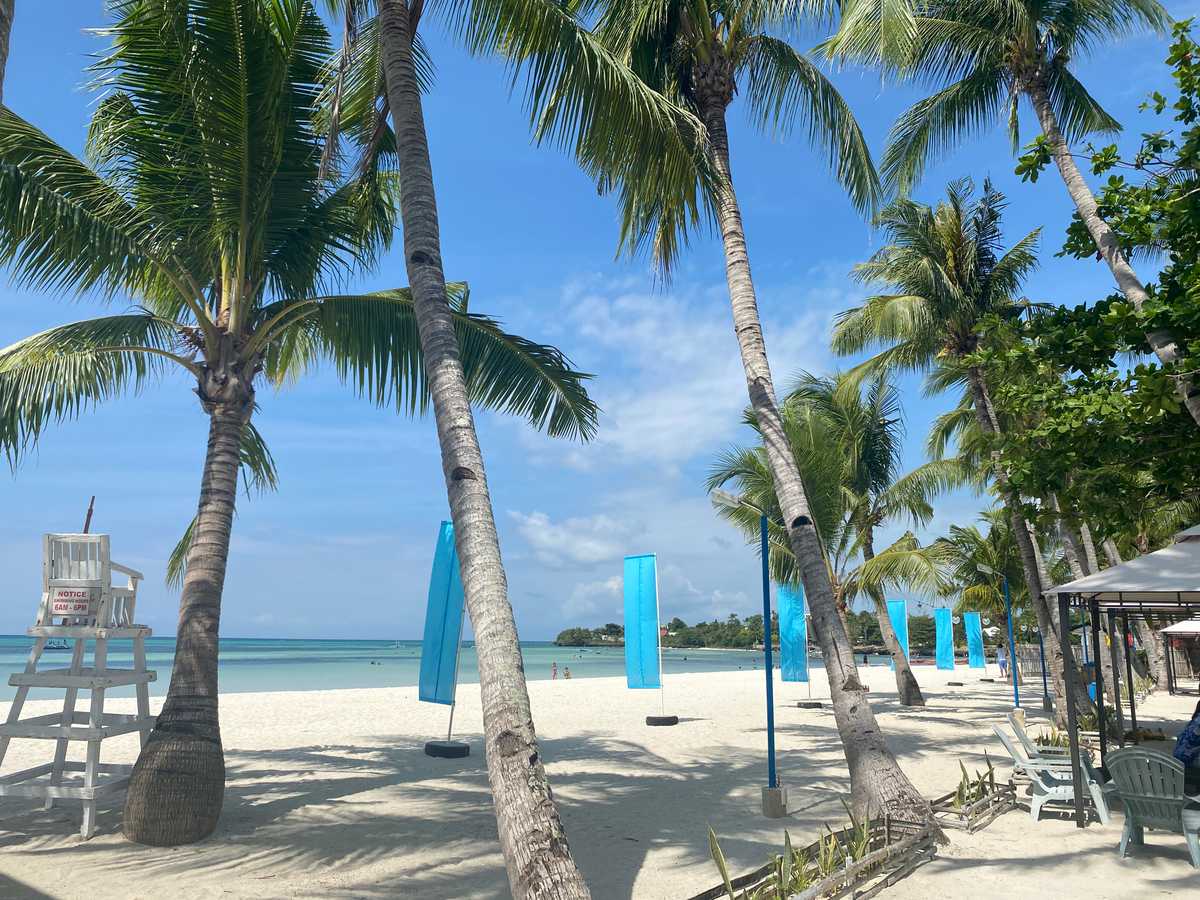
(343, 549)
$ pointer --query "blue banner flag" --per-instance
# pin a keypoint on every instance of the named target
(974, 630)
(793, 633)
(443, 623)
(944, 629)
(642, 669)
(898, 613)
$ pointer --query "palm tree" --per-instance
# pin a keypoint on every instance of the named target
(945, 270)
(383, 58)
(990, 54)
(202, 201)
(697, 55)
(867, 433)
(6, 20)
(847, 447)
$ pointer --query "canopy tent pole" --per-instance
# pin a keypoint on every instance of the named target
(1064, 640)
(1116, 671)
(1128, 648)
(1101, 725)
(1170, 665)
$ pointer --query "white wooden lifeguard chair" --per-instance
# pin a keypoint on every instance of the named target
(79, 603)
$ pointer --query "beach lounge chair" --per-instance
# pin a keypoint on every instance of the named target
(1051, 782)
(1032, 749)
(1151, 785)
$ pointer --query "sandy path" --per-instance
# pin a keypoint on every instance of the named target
(329, 795)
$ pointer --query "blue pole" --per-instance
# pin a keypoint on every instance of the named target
(1012, 645)
(766, 579)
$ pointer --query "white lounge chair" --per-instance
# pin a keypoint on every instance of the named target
(1151, 785)
(1033, 749)
(1052, 782)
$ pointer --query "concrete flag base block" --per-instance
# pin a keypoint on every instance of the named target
(989, 680)
(774, 802)
(662, 720)
(447, 749)
(809, 704)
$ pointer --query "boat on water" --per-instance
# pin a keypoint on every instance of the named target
(59, 644)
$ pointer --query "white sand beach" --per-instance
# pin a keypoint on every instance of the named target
(329, 795)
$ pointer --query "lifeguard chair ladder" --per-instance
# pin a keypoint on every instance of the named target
(79, 603)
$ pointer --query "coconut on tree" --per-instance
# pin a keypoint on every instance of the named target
(202, 201)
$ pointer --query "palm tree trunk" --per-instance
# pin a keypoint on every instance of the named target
(877, 783)
(906, 682)
(1089, 548)
(178, 782)
(532, 837)
(1034, 568)
(1162, 342)
(6, 20)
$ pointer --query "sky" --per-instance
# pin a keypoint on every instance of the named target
(344, 548)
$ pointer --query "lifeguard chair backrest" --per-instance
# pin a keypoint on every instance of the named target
(76, 579)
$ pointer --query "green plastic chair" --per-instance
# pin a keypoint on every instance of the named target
(1151, 786)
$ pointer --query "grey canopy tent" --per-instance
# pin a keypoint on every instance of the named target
(1165, 584)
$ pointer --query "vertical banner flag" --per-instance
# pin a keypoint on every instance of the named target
(898, 613)
(793, 633)
(974, 640)
(944, 627)
(443, 623)
(642, 664)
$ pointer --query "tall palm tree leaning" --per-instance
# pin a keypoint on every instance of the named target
(696, 54)
(990, 54)
(561, 60)
(945, 269)
(7, 9)
(204, 204)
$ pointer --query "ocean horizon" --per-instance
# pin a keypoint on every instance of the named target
(301, 664)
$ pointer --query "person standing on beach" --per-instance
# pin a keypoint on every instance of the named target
(567, 672)
(553, 671)
(1002, 661)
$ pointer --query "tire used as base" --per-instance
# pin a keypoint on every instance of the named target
(662, 720)
(447, 749)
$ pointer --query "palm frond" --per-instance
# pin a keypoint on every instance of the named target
(372, 341)
(783, 86)
(65, 371)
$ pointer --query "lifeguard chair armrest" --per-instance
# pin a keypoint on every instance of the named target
(125, 570)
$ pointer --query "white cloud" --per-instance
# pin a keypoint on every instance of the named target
(583, 540)
(673, 388)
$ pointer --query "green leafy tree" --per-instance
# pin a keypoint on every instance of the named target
(991, 54)
(202, 201)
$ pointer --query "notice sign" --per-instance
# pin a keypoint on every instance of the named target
(73, 601)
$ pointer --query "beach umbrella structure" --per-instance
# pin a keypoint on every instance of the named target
(442, 641)
(643, 647)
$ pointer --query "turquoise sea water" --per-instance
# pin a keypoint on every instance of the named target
(259, 664)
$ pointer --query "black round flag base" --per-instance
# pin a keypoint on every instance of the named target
(955, 684)
(662, 720)
(990, 680)
(447, 749)
(809, 704)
